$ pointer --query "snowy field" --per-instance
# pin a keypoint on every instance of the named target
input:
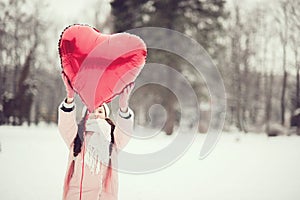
(241, 167)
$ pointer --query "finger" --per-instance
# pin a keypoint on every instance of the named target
(128, 90)
(63, 76)
(63, 73)
(131, 85)
(128, 87)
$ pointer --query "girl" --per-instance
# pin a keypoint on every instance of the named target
(93, 145)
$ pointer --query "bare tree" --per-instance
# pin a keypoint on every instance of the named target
(283, 27)
(235, 41)
(295, 45)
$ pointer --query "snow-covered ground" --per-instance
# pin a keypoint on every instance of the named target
(241, 167)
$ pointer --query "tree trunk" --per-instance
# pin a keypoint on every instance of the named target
(245, 82)
(298, 88)
(169, 126)
(236, 83)
(284, 40)
(269, 96)
(236, 59)
(283, 97)
(169, 103)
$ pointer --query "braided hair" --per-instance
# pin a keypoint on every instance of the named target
(108, 172)
(112, 137)
(79, 136)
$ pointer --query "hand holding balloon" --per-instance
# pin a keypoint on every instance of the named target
(69, 89)
(124, 97)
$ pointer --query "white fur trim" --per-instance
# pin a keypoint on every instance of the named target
(124, 114)
(68, 105)
(105, 106)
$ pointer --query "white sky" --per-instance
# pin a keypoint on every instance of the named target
(65, 12)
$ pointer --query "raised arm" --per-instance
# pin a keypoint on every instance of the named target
(125, 119)
(67, 125)
(124, 128)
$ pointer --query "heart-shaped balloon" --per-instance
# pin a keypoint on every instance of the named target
(99, 66)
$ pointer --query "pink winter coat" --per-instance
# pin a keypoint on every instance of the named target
(93, 186)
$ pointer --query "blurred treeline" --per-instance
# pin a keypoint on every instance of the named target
(255, 48)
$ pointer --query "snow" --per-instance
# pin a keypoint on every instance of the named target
(253, 166)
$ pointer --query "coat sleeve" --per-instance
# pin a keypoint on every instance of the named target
(124, 129)
(67, 125)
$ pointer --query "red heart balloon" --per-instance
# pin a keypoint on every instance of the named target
(98, 65)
